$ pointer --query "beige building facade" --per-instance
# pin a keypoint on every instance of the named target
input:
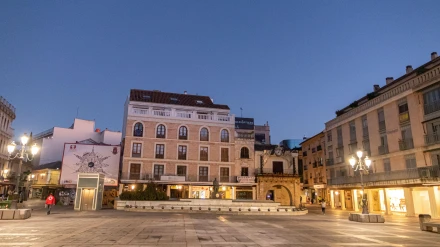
(396, 126)
(314, 168)
(7, 116)
(183, 143)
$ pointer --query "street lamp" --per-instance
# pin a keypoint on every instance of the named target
(22, 154)
(361, 166)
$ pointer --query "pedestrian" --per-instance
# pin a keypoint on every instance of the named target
(50, 201)
(323, 205)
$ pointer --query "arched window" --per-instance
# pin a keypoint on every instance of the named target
(244, 153)
(183, 133)
(224, 136)
(160, 132)
(204, 134)
(138, 130)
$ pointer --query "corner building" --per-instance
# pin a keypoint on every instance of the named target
(398, 126)
(181, 142)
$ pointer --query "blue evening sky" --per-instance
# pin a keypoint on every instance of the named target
(292, 63)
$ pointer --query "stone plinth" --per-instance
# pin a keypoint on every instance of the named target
(15, 214)
(366, 218)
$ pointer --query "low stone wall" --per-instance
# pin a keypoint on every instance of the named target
(366, 218)
(427, 225)
(210, 206)
(15, 214)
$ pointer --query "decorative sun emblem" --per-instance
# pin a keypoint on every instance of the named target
(91, 162)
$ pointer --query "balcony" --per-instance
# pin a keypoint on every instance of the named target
(353, 146)
(432, 107)
(319, 148)
(270, 171)
(183, 115)
(305, 168)
(425, 174)
(313, 150)
(305, 154)
(245, 136)
(245, 179)
(329, 162)
(383, 149)
(406, 144)
(432, 138)
(339, 160)
(165, 178)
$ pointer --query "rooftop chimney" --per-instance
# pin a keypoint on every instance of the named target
(409, 69)
(388, 80)
(376, 87)
(185, 92)
(433, 55)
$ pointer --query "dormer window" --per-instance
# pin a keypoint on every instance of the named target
(199, 102)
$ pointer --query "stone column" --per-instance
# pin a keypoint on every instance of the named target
(370, 200)
(121, 187)
(332, 199)
(409, 201)
(355, 201)
(190, 191)
(342, 193)
(168, 190)
(233, 193)
(387, 202)
(432, 201)
(254, 193)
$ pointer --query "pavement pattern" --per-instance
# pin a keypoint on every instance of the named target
(65, 227)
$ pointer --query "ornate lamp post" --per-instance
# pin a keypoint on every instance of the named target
(22, 154)
(361, 166)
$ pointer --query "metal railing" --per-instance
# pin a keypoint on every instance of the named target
(271, 171)
(433, 138)
(329, 162)
(432, 172)
(432, 107)
(406, 144)
(176, 178)
(184, 114)
(383, 149)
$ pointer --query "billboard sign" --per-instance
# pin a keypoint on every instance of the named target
(85, 158)
(244, 123)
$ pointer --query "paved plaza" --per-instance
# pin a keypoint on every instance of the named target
(66, 227)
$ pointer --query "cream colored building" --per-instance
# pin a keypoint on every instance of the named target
(182, 142)
(7, 115)
(314, 168)
(398, 125)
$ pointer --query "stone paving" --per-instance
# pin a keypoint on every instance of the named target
(66, 227)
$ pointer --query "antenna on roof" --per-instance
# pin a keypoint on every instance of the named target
(241, 110)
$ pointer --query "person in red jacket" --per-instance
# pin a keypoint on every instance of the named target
(50, 201)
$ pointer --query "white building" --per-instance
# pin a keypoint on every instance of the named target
(52, 141)
(7, 115)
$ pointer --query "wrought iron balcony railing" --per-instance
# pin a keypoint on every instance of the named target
(383, 149)
(432, 172)
(406, 144)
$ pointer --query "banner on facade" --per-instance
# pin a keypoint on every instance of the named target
(85, 158)
(244, 123)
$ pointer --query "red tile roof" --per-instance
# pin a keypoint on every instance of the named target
(174, 99)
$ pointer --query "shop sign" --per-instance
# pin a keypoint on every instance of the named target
(172, 178)
(318, 186)
(245, 179)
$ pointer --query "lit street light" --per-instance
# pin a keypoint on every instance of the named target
(361, 166)
(22, 154)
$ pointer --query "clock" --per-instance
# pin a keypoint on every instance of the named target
(278, 151)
